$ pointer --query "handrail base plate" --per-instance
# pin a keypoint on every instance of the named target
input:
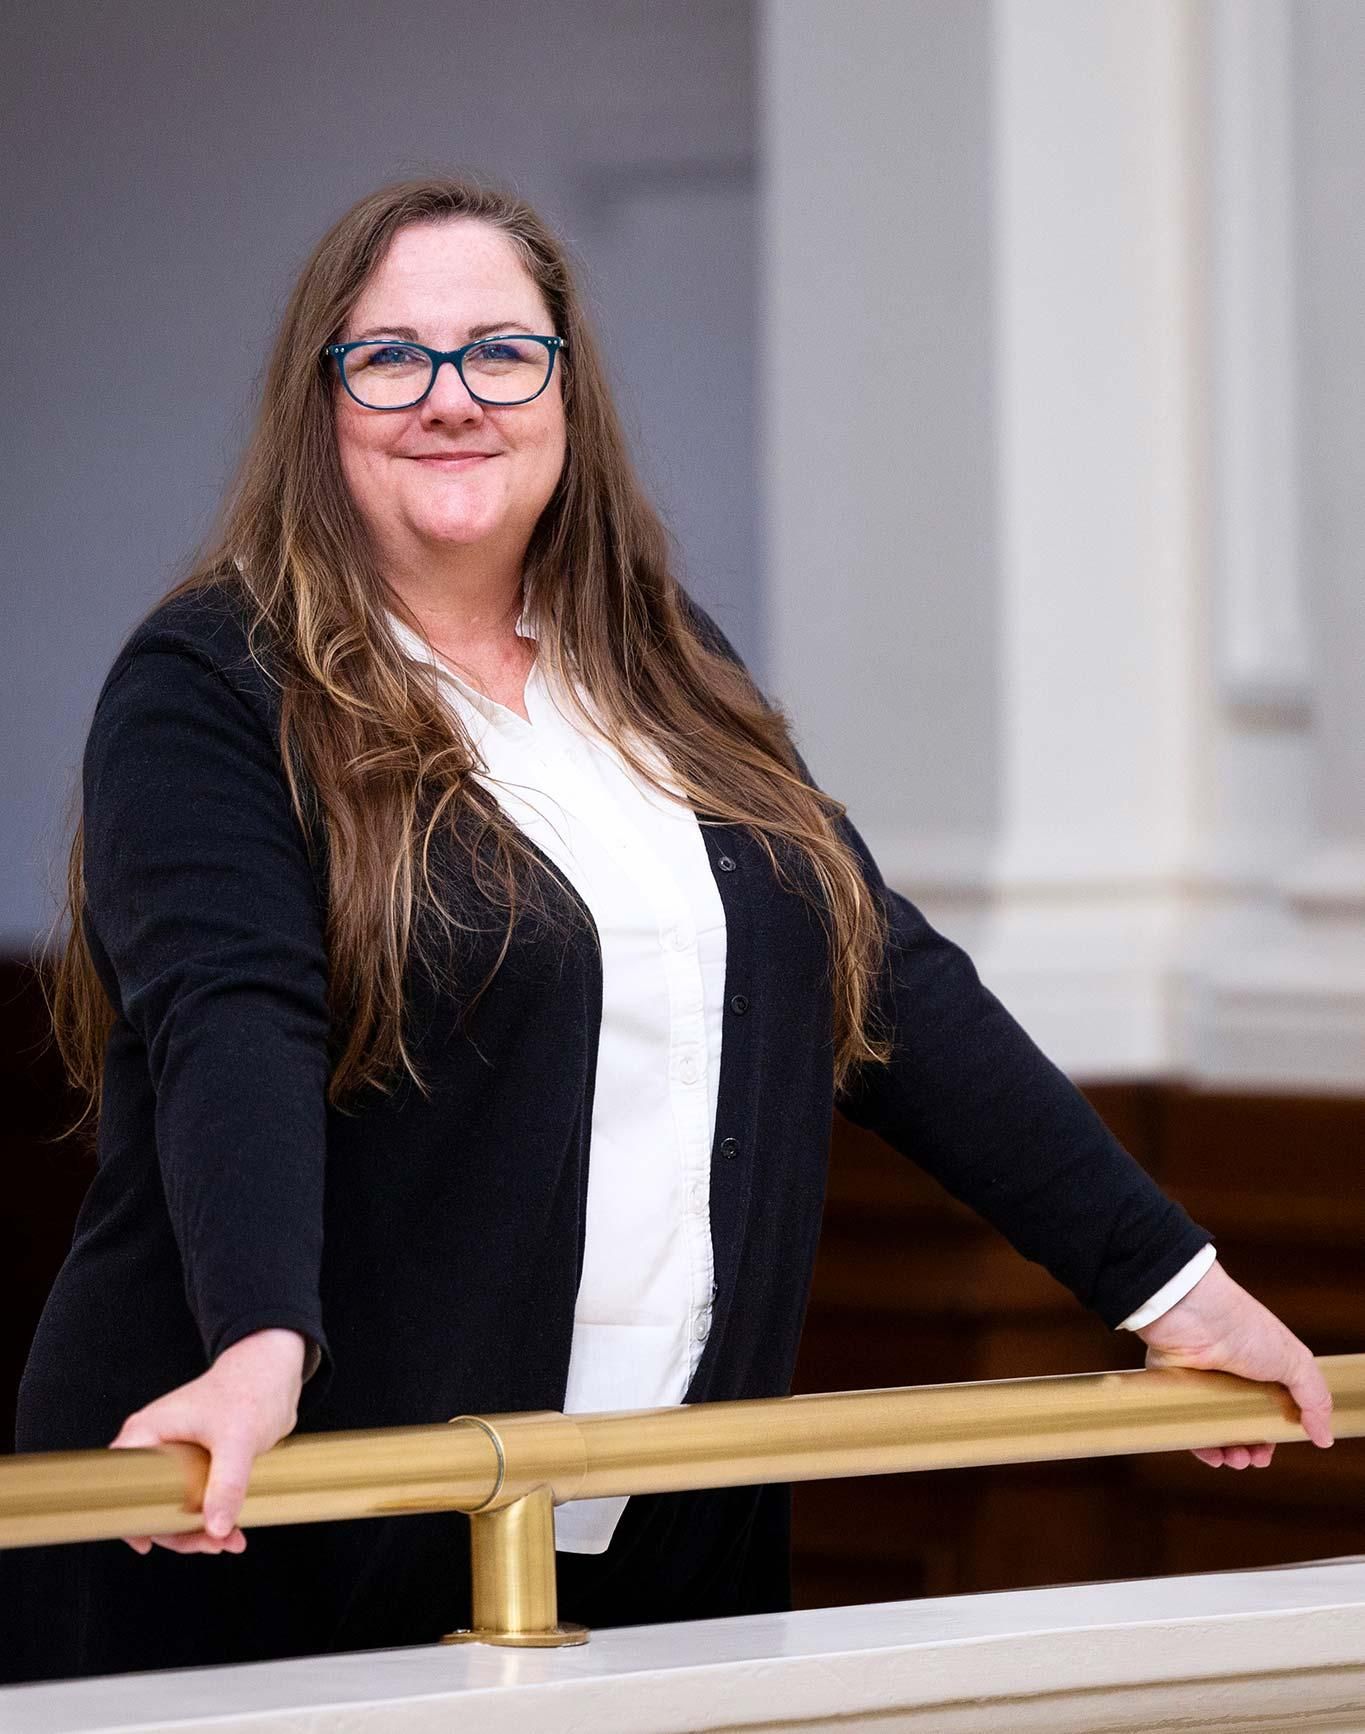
(557, 1638)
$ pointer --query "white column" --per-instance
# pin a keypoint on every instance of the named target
(979, 543)
(1099, 560)
(1273, 992)
(1039, 572)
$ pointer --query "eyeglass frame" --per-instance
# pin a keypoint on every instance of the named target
(438, 358)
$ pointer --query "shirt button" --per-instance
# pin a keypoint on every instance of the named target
(679, 938)
(729, 1148)
(725, 864)
(699, 1198)
(687, 1069)
(739, 1005)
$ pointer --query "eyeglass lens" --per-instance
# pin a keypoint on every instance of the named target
(391, 375)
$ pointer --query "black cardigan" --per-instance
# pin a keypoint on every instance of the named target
(431, 1245)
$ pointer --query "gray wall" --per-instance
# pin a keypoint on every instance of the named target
(878, 409)
(167, 169)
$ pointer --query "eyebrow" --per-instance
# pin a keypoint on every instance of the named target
(407, 331)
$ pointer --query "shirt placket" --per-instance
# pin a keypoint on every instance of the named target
(554, 743)
(688, 1081)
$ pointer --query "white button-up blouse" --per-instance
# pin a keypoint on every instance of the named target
(637, 860)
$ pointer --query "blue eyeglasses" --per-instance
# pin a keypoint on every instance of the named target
(384, 373)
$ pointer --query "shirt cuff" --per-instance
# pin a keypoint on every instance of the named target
(1170, 1292)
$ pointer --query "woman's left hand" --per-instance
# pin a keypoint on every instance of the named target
(1219, 1327)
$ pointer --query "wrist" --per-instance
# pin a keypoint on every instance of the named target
(1207, 1296)
(275, 1345)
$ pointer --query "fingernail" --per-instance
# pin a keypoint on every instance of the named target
(218, 1524)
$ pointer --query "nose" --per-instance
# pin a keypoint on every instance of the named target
(449, 398)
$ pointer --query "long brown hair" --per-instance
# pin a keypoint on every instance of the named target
(371, 752)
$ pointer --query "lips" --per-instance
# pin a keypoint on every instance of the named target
(450, 457)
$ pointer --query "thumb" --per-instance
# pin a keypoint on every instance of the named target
(225, 1491)
(133, 1435)
(1306, 1385)
(1156, 1358)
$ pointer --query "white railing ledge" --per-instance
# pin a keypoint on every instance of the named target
(1282, 1648)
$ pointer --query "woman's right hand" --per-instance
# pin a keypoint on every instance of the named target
(245, 1403)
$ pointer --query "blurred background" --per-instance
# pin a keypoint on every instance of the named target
(999, 367)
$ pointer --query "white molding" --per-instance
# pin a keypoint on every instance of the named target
(1077, 867)
(1240, 1651)
(1261, 631)
(1267, 1038)
(1088, 976)
(1181, 983)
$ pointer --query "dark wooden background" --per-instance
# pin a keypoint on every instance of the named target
(912, 1288)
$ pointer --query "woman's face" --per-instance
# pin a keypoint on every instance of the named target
(436, 281)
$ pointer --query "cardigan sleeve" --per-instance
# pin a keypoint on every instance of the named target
(203, 915)
(971, 1098)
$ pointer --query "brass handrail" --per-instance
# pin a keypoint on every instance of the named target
(509, 1471)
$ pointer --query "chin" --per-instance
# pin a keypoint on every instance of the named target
(458, 530)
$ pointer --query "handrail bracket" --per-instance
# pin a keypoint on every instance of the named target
(512, 1538)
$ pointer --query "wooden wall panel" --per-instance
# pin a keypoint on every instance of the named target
(911, 1288)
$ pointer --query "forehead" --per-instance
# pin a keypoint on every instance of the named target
(440, 278)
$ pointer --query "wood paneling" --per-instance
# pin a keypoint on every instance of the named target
(911, 1288)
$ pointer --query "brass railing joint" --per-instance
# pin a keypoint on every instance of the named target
(495, 1439)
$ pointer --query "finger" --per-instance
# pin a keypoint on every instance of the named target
(1310, 1391)
(196, 1542)
(225, 1493)
(233, 1542)
(1237, 1456)
(1214, 1457)
(1261, 1455)
(139, 1543)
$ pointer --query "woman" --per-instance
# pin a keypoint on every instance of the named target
(434, 841)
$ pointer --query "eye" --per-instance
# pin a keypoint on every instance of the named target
(391, 355)
(499, 351)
